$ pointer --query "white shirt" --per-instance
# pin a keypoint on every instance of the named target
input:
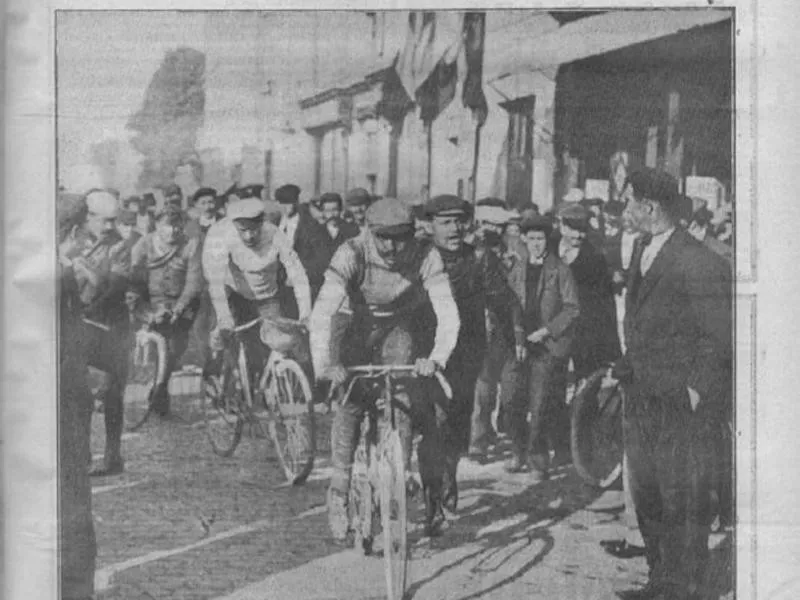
(650, 253)
(626, 247)
(289, 227)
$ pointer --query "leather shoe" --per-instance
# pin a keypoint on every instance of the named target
(110, 467)
(651, 591)
(622, 549)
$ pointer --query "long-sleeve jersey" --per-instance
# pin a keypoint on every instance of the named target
(251, 271)
(359, 276)
(173, 272)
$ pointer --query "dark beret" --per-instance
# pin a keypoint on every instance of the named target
(575, 215)
(496, 202)
(358, 197)
(287, 194)
(447, 204)
(658, 186)
(204, 191)
(536, 223)
(329, 197)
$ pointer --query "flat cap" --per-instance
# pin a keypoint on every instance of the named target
(536, 223)
(251, 208)
(492, 214)
(390, 216)
(447, 205)
(514, 216)
(329, 197)
(203, 191)
(496, 202)
(287, 194)
(127, 217)
(574, 212)
(358, 197)
(172, 213)
(250, 191)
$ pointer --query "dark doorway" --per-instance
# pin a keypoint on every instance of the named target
(519, 184)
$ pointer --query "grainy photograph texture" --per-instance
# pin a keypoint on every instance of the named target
(395, 304)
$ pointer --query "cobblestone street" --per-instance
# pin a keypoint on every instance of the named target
(510, 538)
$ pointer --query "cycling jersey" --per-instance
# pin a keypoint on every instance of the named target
(360, 278)
(173, 271)
(251, 272)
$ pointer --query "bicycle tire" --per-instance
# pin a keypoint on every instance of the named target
(394, 513)
(596, 432)
(291, 426)
(223, 401)
(149, 365)
(361, 501)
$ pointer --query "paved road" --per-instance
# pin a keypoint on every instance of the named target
(510, 538)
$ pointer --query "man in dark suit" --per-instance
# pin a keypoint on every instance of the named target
(532, 391)
(677, 374)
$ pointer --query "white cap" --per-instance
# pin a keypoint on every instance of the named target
(493, 214)
(250, 208)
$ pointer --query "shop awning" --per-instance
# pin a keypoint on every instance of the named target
(595, 35)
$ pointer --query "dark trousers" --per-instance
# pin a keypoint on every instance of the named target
(109, 351)
(669, 449)
(198, 353)
(420, 403)
(499, 351)
(177, 337)
(533, 394)
(77, 543)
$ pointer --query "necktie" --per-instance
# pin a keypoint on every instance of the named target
(644, 242)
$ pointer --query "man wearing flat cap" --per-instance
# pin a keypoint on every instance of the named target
(357, 201)
(96, 257)
(403, 313)
(288, 196)
(126, 225)
(532, 393)
(596, 340)
(173, 195)
(677, 372)
(242, 256)
(167, 261)
(479, 282)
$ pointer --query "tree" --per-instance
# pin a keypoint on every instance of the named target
(172, 112)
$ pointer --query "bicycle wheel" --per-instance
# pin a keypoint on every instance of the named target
(362, 511)
(292, 424)
(394, 519)
(596, 436)
(223, 405)
(149, 358)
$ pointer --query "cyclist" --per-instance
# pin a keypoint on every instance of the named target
(241, 258)
(391, 281)
(168, 262)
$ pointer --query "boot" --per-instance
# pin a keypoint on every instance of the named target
(434, 515)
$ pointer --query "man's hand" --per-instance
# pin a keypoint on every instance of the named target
(609, 380)
(694, 398)
(538, 336)
(177, 313)
(425, 367)
(522, 352)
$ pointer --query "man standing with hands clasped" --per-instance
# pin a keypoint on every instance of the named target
(677, 375)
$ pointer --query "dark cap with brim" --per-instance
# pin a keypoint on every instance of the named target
(447, 205)
(390, 217)
(358, 197)
(287, 194)
(536, 223)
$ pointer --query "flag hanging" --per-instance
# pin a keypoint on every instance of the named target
(474, 36)
(438, 89)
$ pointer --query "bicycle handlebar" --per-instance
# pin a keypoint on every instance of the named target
(374, 371)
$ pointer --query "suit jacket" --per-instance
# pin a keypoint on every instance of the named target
(596, 339)
(559, 307)
(678, 322)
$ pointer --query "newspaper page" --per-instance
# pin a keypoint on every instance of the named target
(398, 301)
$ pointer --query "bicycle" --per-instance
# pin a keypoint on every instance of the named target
(379, 462)
(596, 433)
(282, 397)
